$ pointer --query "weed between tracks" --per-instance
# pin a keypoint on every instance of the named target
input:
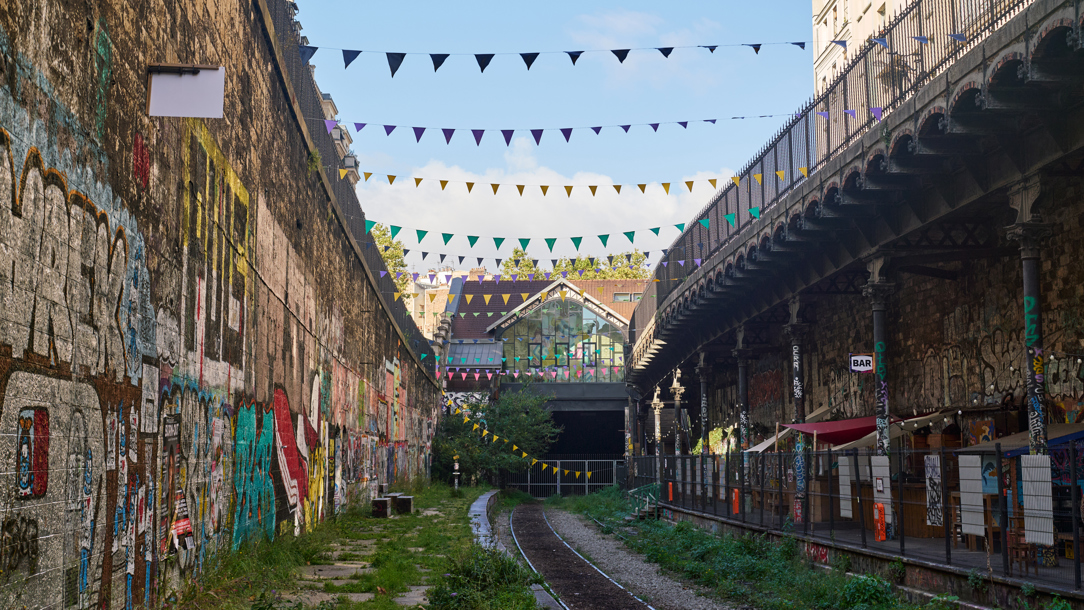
(749, 569)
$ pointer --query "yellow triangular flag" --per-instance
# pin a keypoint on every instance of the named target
(737, 181)
(342, 174)
(524, 455)
(642, 187)
(577, 474)
(465, 419)
(432, 296)
(758, 177)
(780, 174)
(470, 185)
(450, 297)
(469, 297)
(804, 170)
(581, 293)
(520, 187)
(417, 182)
(475, 427)
(524, 295)
(495, 187)
(457, 409)
(600, 288)
(593, 188)
(443, 183)
(588, 474)
(711, 181)
(690, 185)
(568, 189)
(415, 295)
(495, 437)
(514, 448)
(505, 441)
(487, 297)
(666, 187)
(563, 293)
(397, 295)
(391, 179)
(367, 174)
(484, 433)
(544, 189)
(566, 472)
(533, 461)
(505, 297)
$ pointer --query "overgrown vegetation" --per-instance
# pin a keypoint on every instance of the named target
(405, 551)
(518, 422)
(484, 579)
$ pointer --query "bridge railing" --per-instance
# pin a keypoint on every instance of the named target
(567, 477)
(917, 45)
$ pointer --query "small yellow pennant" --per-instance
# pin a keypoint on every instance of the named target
(469, 297)
(617, 187)
(758, 177)
(367, 175)
(391, 179)
(804, 170)
(520, 187)
(711, 181)
(417, 182)
(642, 187)
(737, 180)
(690, 185)
(495, 187)
(780, 174)
(544, 188)
(487, 297)
(443, 183)
(470, 185)
(593, 189)
(568, 189)
(666, 187)
(342, 174)
(505, 297)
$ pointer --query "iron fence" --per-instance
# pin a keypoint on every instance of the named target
(567, 477)
(992, 511)
(917, 45)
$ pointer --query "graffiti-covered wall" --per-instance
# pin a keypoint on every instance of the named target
(192, 352)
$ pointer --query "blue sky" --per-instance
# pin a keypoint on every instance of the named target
(692, 85)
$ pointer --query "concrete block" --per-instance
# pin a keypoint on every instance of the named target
(404, 505)
(381, 507)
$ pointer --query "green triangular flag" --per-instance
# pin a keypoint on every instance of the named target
(424, 355)
(394, 230)
(489, 314)
(630, 235)
(369, 225)
(729, 218)
(472, 239)
(706, 222)
(550, 241)
(497, 241)
(476, 314)
(603, 238)
(680, 226)
(523, 241)
(462, 315)
(421, 234)
(754, 212)
(656, 230)
(447, 237)
(576, 242)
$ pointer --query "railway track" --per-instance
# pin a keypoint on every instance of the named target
(578, 583)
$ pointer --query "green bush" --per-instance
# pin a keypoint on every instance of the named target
(483, 579)
(867, 591)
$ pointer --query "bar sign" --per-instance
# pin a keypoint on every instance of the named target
(861, 363)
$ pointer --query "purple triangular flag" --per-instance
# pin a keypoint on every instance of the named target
(483, 60)
(620, 54)
(349, 56)
(684, 124)
(682, 263)
(330, 124)
(497, 277)
(537, 133)
(388, 129)
(415, 277)
(877, 112)
(394, 61)
(567, 132)
(448, 135)
(596, 130)
(625, 127)
(383, 273)
(418, 131)
(881, 41)
(514, 277)
(664, 263)
(654, 126)
(842, 43)
(581, 272)
(712, 121)
(800, 45)
(710, 47)
(438, 60)
(478, 136)
(547, 274)
(822, 114)
(358, 127)
(666, 51)
(853, 113)
(697, 261)
(564, 274)
(507, 133)
(756, 47)
(958, 37)
(574, 55)
(530, 276)
(528, 58)
(306, 52)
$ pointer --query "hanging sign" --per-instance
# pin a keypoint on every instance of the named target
(861, 363)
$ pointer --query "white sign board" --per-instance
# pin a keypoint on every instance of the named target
(861, 363)
(183, 91)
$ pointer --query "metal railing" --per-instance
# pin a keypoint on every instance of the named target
(878, 76)
(994, 512)
(541, 481)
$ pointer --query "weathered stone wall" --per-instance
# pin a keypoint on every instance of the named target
(951, 344)
(192, 353)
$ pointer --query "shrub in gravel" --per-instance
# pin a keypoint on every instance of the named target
(483, 579)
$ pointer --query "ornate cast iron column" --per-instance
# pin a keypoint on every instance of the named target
(877, 290)
(678, 390)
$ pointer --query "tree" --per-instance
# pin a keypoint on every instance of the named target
(610, 267)
(394, 257)
(516, 418)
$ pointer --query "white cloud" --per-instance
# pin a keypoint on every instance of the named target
(531, 215)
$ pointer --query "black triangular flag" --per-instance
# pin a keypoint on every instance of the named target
(442, 257)
(479, 261)
(483, 60)
(438, 60)
(534, 262)
(405, 252)
(424, 254)
(394, 61)
(306, 52)
(574, 55)
(756, 47)
(461, 259)
(710, 48)
(800, 45)
(554, 262)
(621, 54)
(666, 51)
(349, 56)
(528, 58)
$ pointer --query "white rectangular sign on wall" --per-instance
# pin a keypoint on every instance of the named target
(861, 363)
(186, 91)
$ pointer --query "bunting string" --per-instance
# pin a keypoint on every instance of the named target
(545, 188)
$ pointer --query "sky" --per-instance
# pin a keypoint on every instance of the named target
(692, 85)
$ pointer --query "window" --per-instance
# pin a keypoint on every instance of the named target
(622, 297)
(569, 343)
